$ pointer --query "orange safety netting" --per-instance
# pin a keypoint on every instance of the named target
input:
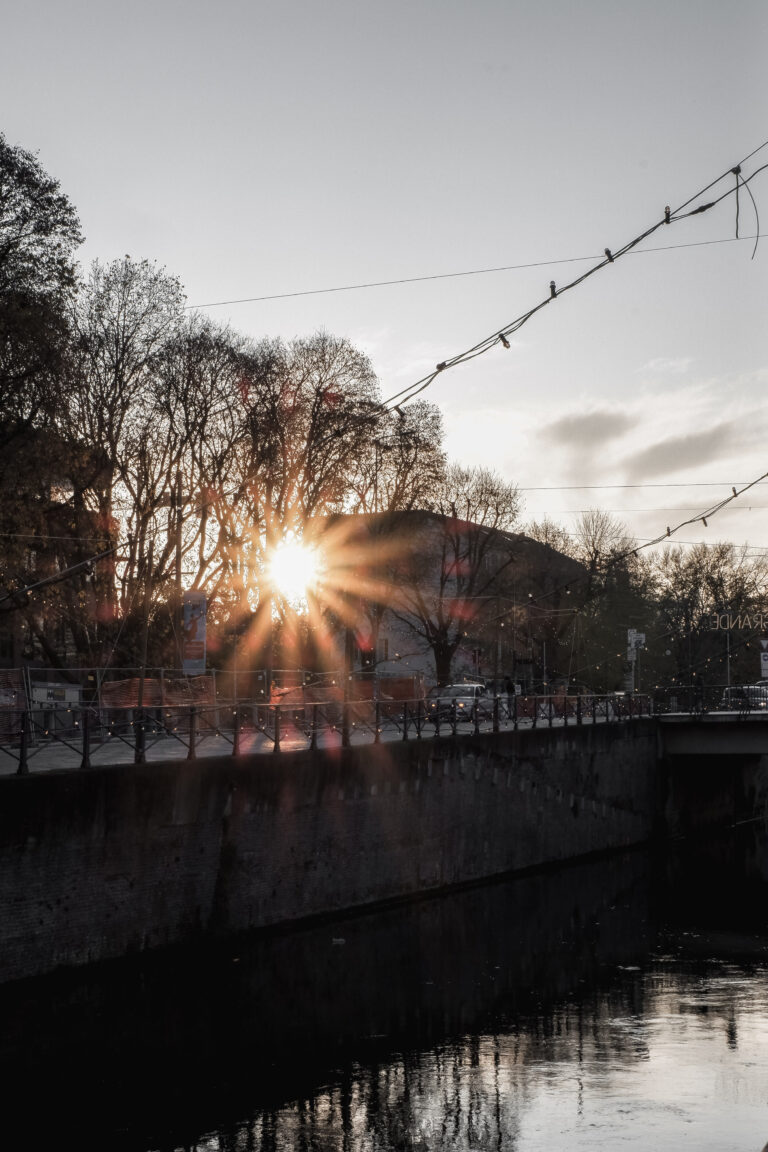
(197, 690)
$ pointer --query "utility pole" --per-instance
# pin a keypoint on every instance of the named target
(179, 612)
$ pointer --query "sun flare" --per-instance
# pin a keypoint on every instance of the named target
(294, 569)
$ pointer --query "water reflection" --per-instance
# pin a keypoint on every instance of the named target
(614, 1003)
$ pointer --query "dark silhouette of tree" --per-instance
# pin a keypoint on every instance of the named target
(39, 232)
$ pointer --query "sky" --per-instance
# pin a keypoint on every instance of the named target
(258, 149)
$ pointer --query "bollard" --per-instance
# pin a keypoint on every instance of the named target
(85, 720)
(345, 724)
(495, 713)
(313, 734)
(277, 728)
(377, 723)
(139, 752)
(23, 768)
(191, 753)
(236, 733)
(405, 720)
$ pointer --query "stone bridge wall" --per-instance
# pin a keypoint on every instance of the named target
(115, 860)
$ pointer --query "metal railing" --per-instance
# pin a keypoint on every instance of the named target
(84, 736)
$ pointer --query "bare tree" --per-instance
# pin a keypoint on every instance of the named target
(455, 561)
(404, 464)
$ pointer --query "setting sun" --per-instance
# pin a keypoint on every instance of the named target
(293, 569)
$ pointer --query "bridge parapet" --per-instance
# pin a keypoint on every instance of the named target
(713, 734)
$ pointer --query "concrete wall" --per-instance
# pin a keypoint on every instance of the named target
(116, 860)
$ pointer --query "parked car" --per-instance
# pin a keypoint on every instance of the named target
(463, 701)
(745, 698)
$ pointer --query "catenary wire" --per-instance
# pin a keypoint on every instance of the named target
(404, 395)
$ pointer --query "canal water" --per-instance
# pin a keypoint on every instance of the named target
(620, 1003)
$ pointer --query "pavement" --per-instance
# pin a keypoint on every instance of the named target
(65, 751)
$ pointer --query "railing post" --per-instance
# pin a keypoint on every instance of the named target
(535, 711)
(630, 708)
(313, 735)
(191, 751)
(437, 716)
(236, 732)
(277, 728)
(405, 720)
(496, 713)
(377, 722)
(345, 724)
(578, 709)
(551, 708)
(23, 768)
(418, 719)
(453, 717)
(85, 721)
(139, 751)
(477, 719)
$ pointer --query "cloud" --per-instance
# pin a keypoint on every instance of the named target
(681, 452)
(668, 365)
(586, 429)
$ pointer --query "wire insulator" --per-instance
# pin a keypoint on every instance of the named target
(666, 214)
(608, 254)
(552, 289)
(503, 339)
(441, 366)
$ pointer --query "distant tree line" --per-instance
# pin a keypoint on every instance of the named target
(671, 596)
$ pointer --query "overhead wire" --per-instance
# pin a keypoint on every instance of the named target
(640, 545)
(449, 275)
(501, 336)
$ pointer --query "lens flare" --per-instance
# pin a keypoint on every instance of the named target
(294, 569)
